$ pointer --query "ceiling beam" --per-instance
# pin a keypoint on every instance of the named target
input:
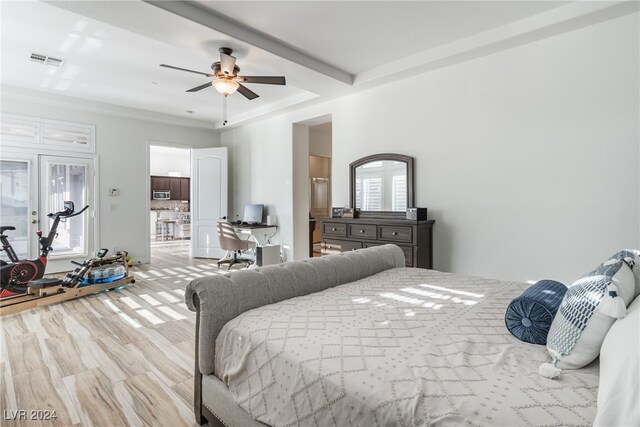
(204, 16)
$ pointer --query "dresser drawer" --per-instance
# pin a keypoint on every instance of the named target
(396, 233)
(408, 252)
(363, 231)
(334, 229)
(332, 246)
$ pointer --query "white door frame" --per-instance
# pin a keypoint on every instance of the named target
(147, 199)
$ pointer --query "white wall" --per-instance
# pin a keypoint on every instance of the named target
(121, 145)
(260, 159)
(300, 192)
(320, 140)
(165, 160)
(528, 159)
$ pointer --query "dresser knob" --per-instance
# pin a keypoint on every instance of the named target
(395, 233)
(362, 231)
(333, 229)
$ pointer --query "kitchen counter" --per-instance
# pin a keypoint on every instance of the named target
(166, 223)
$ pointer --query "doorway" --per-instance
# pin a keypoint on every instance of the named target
(311, 199)
(187, 196)
(320, 143)
(170, 199)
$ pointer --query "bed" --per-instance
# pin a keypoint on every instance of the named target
(358, 339)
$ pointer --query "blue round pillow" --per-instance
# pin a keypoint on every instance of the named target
(529, 316)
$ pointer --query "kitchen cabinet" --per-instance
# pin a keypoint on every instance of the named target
(160, 183)
(174, 187)
(185, 184)
(178, 187)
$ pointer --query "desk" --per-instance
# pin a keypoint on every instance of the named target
(260, 233)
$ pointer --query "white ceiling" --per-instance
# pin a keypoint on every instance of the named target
(356, 36)
(325, 49)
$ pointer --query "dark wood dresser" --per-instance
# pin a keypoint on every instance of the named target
(347, 234)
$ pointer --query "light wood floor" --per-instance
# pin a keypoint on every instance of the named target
(118, 358)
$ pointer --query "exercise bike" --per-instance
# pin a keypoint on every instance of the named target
(23, 286)
(16, 273)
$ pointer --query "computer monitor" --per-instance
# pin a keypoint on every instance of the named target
(253, 214)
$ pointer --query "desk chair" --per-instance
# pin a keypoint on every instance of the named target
(234, 245)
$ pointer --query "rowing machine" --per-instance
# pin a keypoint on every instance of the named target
(93, 275)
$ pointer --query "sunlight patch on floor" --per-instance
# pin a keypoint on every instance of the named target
(134, 323)
(171, 313)
(157, 274)
(111, 305)
(130, 302)
(150, 300)
(152, 318)
(167, 296)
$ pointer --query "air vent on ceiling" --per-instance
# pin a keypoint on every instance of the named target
(46, 60)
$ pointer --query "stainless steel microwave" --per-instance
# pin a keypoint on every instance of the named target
(161, 195)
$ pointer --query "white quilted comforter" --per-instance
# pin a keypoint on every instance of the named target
(405, 347)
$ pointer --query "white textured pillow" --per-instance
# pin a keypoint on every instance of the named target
(579, 328)
(632, 255)
(619, 391)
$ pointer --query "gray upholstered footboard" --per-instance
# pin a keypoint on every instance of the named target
(218, 299)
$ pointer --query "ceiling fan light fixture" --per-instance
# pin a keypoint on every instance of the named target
(225, 86)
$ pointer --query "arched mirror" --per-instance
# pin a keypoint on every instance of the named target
(382, 185)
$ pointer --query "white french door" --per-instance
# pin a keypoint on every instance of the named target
(19, 202)
(31, 186)
(62, 179)
(208, 200)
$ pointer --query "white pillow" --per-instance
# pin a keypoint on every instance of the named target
(619, 391)
(579, 328)
(632, 255)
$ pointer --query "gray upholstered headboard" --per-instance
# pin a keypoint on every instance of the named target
(224, 297)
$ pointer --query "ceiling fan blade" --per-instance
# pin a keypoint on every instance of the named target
(185, 69)
(247, 93)
(197, 88)
(227, 63)
(267, 80)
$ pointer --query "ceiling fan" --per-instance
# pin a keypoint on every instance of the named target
(226, 79)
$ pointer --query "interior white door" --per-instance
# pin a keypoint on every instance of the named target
(68, 178)
(208, 200)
